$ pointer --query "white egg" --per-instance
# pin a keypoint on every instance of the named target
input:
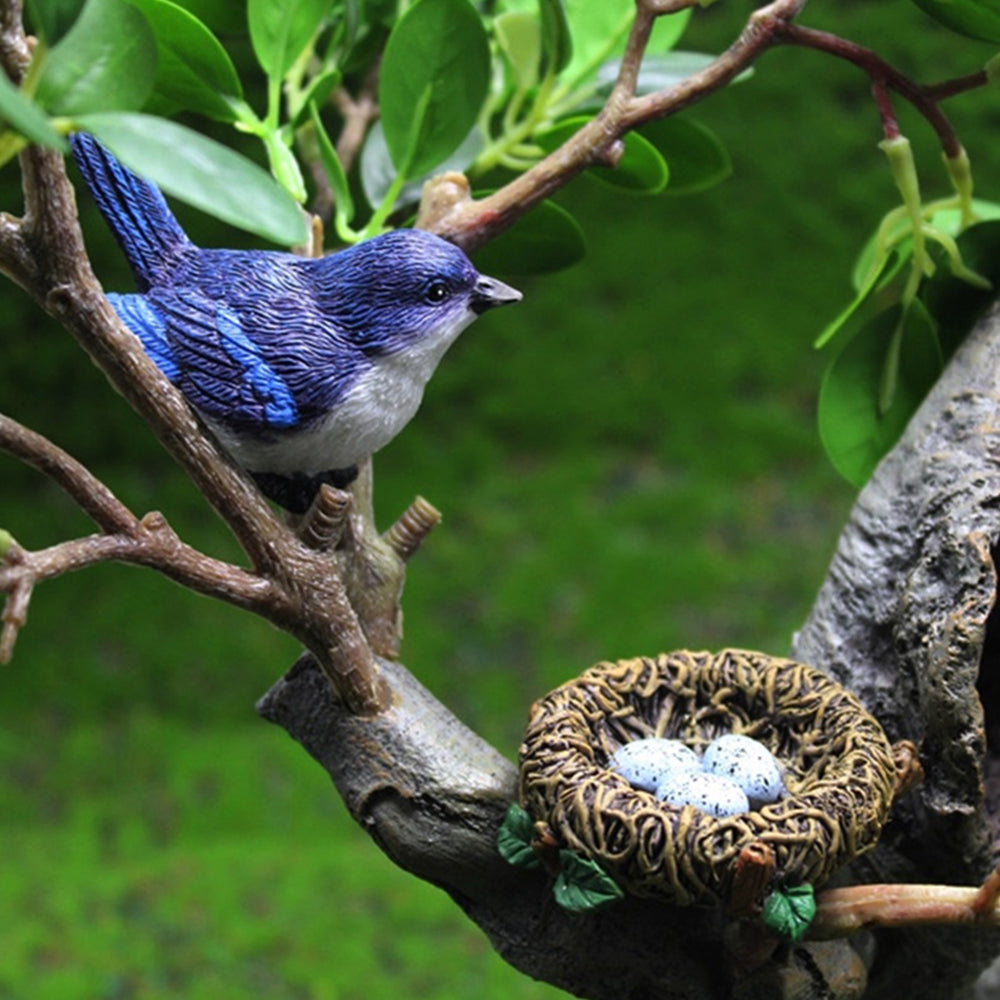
(749, 763)
(646, 763)
(711, 793)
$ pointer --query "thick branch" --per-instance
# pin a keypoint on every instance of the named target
(44, 253)
(844, 912)
(901, 620)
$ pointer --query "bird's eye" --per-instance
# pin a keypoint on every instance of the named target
(435, 292)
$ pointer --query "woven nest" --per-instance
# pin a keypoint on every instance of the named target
(839, 771)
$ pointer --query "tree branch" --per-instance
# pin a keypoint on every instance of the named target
(89, 493)
(886, 77)
(471, 223)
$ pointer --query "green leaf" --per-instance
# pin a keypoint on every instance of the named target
(51, 19)
(201, 172)
(854, 431)
(949, 220)
(378, 172)
(105, 62)
(284, 166)
(222, 16)
(343, 202)
(519, 36)
(789, 911)
(6, 540)
(193, 70)
(583, 884)
(281, 29)
(319, 89)
(599, 32)
(879, 289)
(667, 32)
(641, 169)
(661, 72)
(955, 304)
(695, 155)
(973, 18)
(514, 838)
(26, 118)
(433, 81)
(557, 44)
(547, 239)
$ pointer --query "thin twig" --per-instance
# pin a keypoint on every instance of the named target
(358, 113)
(884, 77)
(90, 494)
(471, 223)
(298, 590)
(843, 912)
(959, 85)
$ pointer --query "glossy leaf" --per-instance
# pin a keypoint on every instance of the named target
(378, 172)
(583, 884)
(222, 16)
(599, 32)
(334, 168)
(789, 911)
(973, 18)
(695, 155)
(51, 19)
(514, 838)
(667, 32)
(879, 281)
(319, 89)
(193, 70)
(433, 81)
(201, 172)
(641, 168)
(660, 72)
(557, 43)
(547, 239)
(855, 434)
(519, 36)
(949, 220)
(593, 27)
(280, 30)
(955, 304)
(26, 117)
(105, 62)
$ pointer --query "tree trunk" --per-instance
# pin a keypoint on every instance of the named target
(903, 619)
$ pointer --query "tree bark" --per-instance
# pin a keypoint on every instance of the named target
(903, 619)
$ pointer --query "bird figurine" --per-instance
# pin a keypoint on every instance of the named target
(301, 367)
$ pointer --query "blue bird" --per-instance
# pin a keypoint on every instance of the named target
(301, 367)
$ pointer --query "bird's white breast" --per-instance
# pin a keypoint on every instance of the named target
(376, 408)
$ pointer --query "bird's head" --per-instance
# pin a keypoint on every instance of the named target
(406, 288)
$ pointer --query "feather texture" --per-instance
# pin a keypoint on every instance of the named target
(299, 365)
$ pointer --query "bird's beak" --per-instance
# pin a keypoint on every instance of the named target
(489, 293)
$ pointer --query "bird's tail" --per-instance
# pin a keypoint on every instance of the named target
(135, 210)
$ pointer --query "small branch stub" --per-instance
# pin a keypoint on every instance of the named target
(412, 527)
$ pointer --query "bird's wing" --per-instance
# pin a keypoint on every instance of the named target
(221, 370)
(136, 312)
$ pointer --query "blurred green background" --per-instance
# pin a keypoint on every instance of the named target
(627, 462)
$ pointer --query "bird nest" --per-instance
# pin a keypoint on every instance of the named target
(840, 772)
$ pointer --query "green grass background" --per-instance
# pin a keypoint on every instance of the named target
(627, 462)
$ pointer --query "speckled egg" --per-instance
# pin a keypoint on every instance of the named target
(646, 763)
(749, 763)
(711, 793)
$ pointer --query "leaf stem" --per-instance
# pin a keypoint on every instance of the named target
(513, 135)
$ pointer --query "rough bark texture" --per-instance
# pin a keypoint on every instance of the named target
(902, 619)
